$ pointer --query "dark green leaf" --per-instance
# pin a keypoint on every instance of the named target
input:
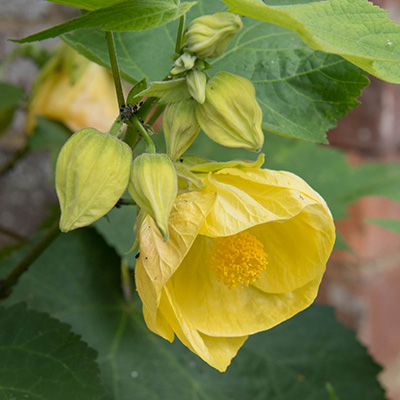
(292, 361)
(302, 92)
(391, 224)
(10, 95)
(48, 135)
(88, 4)
(355, 29)
(117, 230)
(130, 15)
(40, 358)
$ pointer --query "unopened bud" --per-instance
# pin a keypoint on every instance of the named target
(209, 35)
(180, 127)
(231, 115)
(183, 63)
(153, 186)
(196, 81)
(92, 173)
(75, 91)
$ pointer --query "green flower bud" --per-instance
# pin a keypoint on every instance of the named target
(183, 63)
(196, 81)
(180, 127)
(153, 186)
(231, 115)
(92, 173)
(209, 35)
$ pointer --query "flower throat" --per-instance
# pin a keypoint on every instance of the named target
(237, 260)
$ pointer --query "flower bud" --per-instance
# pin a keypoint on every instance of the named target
(196, 81)
(153, 186)
(92, 173)
(183, 63)
(75, 91)
(209, 35)
(230, 114)
(180, 127)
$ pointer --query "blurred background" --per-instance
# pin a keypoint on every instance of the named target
(362, 283)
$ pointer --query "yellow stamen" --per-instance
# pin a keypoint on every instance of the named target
(237, 260)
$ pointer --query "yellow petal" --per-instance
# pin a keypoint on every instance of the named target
(216, 351)
(216, 310)
(158, 259)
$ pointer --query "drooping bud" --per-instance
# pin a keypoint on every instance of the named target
(230, 114)
(209, 35)
(196, 81)
(183, 63)
(180, 127)
(75, 91)
(92, 173)
(153, 186)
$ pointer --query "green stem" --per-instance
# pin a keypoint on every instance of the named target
(179, 34)
(143, 132)
(157, 112)
(112, 52)
(116, 126)
(146, 107)
(12, 278)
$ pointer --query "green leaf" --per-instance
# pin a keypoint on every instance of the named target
(354, 29)
(10, 95)
(117, 230)
(391, 224)
(302, 92)
(169, 91)
(41, 358)
(88, 4)
(292, 361)
(130, 15)
(48, 135)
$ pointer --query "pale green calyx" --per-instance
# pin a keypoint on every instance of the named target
(196, 81)
(183, 63)
(230, 114)
(153, 186)
(209, 35)
(92, 173)
(180, 127)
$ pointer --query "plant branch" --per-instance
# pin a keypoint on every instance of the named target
(112, 52)
(11, 279)
(180, 34)
(143, 132)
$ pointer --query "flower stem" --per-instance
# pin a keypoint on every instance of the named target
(157, 112)
(143, 132)
(179, 34)
(116, 126)
(112, 52)
(12, 278)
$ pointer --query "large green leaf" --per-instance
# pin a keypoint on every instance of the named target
(355, 29)
(302, 92)
(88, 4)
(117, 230)
(129, 15)
(40, 358)
(78, 281)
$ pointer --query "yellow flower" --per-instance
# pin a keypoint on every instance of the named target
(245, 253)
(75, 91)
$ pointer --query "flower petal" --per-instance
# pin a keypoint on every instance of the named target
(216, 310)
(158, 259)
